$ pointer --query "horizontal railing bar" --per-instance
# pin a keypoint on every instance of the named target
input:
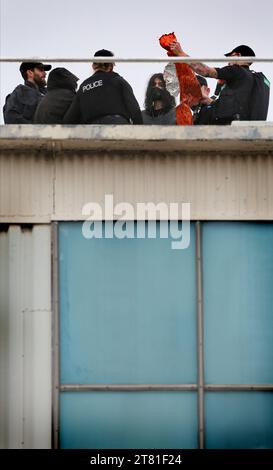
(135, 60)
(239, 387)
(126, 388)
(164, 387)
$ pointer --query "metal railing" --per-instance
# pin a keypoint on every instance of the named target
(135, 60)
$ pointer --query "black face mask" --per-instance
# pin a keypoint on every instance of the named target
(156, 94)
(159, 94)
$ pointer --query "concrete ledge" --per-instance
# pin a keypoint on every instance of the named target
(243, 137)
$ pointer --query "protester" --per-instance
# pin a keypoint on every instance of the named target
(61, 89)
(199, 109)
(159, 104)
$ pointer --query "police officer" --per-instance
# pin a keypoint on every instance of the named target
(21, 104)
(104, 98)
(234, 101)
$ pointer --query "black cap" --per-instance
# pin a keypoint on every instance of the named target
(103, 53)
(31, 65)
(245, 51)
(201, 80)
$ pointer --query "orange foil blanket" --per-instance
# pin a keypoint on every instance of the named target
(190, 90)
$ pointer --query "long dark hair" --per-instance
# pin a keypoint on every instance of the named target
(167, 99)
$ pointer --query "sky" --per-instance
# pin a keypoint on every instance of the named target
(66, 28)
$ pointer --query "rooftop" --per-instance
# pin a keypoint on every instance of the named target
(242, 136)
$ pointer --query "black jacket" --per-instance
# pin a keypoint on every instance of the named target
(21, 104)
(61, 89)
(160, 118)
(234, 98)
(103, 94)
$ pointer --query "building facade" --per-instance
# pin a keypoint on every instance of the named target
(118, 340)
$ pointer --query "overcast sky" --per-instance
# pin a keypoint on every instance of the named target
(66, 28)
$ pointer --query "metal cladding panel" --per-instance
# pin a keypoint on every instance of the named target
(238, 298)
(239, 420)
(26, 191)
(120, 296)
(127, 316)
(219, 187)
(25, 338)
(135, 420)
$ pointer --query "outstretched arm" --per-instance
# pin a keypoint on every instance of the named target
(199, 68)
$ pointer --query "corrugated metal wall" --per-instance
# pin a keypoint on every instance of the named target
(26, 187)
(25, 337)
(219, 186)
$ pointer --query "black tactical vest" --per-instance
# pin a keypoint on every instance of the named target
(233, 103)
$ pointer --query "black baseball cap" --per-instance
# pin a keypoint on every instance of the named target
(244, 50)
(103, 53)
(31, 65)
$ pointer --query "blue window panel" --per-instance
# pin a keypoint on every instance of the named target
(128, 420)
(127, 310)
(239, 420)
(238, 300)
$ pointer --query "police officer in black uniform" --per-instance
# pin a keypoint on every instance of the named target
(21, 104)
(104, 98)
(235, 98)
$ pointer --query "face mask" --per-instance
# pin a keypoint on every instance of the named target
(156, 94)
